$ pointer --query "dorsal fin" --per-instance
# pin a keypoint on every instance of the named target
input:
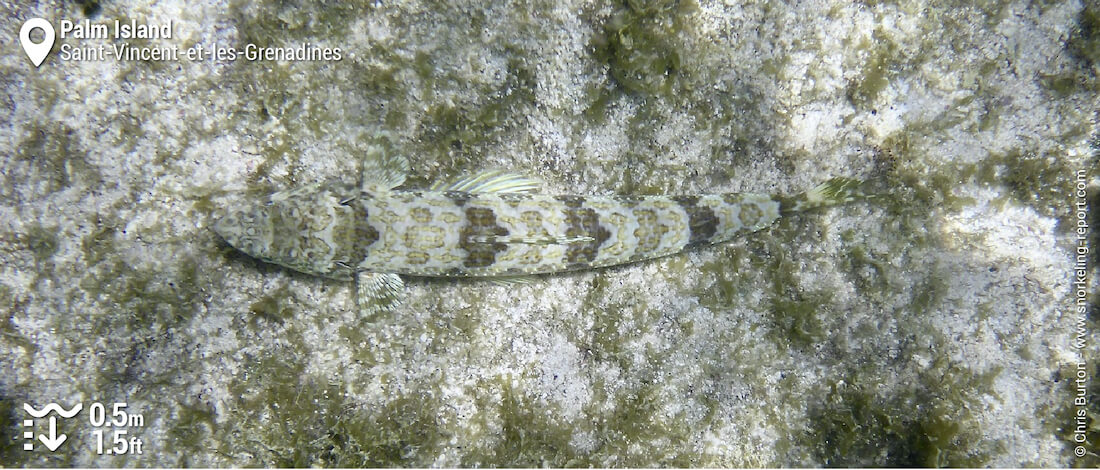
(492, 181)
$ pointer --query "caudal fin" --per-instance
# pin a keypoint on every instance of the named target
(830, 193)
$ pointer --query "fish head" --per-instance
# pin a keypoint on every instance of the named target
(296, 229)
(248, 229)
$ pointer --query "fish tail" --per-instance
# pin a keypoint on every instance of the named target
(830, 193)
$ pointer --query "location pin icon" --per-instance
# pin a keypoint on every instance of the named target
(37, 52)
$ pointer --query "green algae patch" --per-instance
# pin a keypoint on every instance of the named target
(909, 189)
(1040, 181)
(152, 297)
(458, 118)
(877, 73)
(928, 424)
(285, 23)
(616, 324)
(455, 130)
(100, 242)
(1031, 177)
(1076, 425)
(639, 417)
(273, 307)
(409, 429)
(193, 425)
(141, 303)
(9, 331)
(281, 417)
(531, 434)
(11, 423)
(645, 7)
(795, 316)
(1083, 46)
(797, 322)
(637, 432)
(405, 432)
(51, 154)
(286, 418)
(643, 57)
(610, 334)
(42, 242)
(731, 287)
(280, 117)
(867, 273)
(642, 44)
(929, 292)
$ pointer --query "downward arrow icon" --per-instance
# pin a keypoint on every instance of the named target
(54, 441)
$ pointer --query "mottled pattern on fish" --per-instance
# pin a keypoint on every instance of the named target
(464, 234)
(337, 231)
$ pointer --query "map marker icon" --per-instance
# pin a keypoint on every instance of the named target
(37, 52)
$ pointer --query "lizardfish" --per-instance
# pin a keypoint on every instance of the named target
(490, 225)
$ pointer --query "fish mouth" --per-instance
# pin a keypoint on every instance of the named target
(246, 231)
(224, 224)
(229, 227)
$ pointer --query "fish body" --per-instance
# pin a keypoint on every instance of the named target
(491, 225)
(460, 234)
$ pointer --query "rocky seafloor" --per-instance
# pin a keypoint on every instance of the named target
(934, 324)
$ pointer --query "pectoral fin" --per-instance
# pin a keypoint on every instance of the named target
(383, 168)
(379, 292)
